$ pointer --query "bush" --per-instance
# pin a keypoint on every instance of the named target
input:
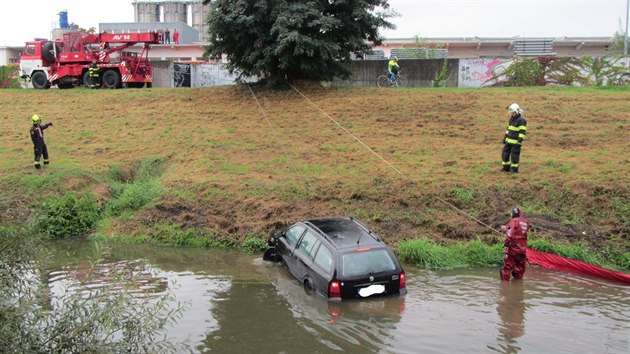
(9, 77)
(133, 188)
(118, 317)
(131, 196)
(68, 215)
(254, 243)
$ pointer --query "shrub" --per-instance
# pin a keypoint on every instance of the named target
(68, 215)
(118, 317)
(254, 243)
(131, 196)
(9, 76)
(136, 187)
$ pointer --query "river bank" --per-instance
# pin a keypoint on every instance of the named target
(207, 168)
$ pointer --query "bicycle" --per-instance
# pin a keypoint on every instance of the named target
(384, 81)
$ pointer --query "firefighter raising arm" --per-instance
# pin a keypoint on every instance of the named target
(39, 145)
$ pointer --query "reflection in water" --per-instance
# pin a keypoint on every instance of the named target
(240, 304)
(511, 309)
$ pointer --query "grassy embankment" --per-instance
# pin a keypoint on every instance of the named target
(204, 167)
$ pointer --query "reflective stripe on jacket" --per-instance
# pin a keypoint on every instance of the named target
(516, 130)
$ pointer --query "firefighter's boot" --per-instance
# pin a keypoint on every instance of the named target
(514, 169)
(506, 168)
(38, 166)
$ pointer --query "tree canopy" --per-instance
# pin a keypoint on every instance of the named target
(294, 39)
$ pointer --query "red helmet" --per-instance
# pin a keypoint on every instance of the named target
(517, 212)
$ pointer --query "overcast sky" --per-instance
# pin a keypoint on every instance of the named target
(24, 20)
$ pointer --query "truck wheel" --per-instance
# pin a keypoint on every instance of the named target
(111, 79)
(86, 79)
(149, 84)
(40, 81)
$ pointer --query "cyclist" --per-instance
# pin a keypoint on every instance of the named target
(392, 68)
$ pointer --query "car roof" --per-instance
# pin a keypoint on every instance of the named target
(345, 231)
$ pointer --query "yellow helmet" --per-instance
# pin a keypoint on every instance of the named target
(36, 118)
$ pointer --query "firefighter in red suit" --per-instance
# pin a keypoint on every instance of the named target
(515, 246)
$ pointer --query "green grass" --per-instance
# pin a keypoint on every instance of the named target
(431, 255)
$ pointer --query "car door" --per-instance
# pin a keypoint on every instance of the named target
(302, 254)
(322, 268)
(287, 243)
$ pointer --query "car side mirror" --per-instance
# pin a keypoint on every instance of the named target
(278, 234)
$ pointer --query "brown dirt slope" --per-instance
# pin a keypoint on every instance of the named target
(233, 168)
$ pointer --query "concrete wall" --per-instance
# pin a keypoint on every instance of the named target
(419, 73)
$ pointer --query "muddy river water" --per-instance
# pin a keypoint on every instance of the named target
(238, 303)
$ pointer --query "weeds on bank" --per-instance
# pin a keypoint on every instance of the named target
(255, 243)
(431, 255)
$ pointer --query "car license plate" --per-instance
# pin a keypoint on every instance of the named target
(371, 290)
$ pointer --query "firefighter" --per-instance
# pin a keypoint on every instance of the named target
(513, 139)
(515, 246)
(94, 78)
(37, 135)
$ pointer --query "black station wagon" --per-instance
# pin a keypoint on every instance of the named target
(338, 258)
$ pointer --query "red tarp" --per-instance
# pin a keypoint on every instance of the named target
(553, 261)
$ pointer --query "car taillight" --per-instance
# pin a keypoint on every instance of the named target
(403, 283)
(334, 289)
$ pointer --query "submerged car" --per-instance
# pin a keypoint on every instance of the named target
(338, 258)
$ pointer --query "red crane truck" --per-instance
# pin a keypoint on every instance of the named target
(65, 62)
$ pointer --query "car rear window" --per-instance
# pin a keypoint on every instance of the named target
(365, 262)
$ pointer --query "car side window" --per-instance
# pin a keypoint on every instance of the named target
(323, 258)
(293, 234)
(307, 243)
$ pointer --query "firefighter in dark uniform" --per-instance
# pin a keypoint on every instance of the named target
(513, 139)
(94, 78)
(37, 135)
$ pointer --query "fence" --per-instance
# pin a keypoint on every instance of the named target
(418, 72)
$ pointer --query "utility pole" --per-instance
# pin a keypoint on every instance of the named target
(625, 38)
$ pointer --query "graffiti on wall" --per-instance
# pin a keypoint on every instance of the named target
(181, 75)
(476, 72)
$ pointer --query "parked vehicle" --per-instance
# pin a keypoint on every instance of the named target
(338, 258)
(65, 62)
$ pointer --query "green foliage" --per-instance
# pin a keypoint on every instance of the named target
(464, 194)
(133, 188)
(9, 76)
(441, 75)
(541, 71)
(618, 45)
(131, 196)
(113, 318)
(171, 234)
(296, 40)
(254, 243)
(605, 69)
(68, 215)
(431, 255)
